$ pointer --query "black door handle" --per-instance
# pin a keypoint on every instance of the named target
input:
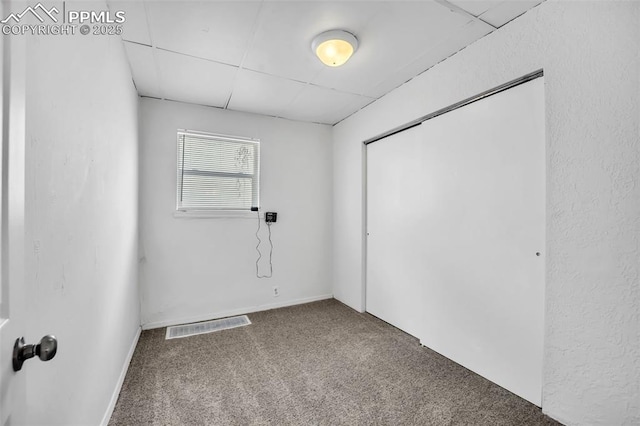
(45, 350)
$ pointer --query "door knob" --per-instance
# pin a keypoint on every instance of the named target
(45, 350)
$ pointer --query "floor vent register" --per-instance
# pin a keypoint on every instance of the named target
(187, 330)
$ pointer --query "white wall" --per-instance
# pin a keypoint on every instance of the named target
(590, 55)
(195, 269)
(81, 223)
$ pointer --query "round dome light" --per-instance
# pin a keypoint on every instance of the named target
(334, 47)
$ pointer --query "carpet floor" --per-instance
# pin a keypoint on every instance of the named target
(320, 363)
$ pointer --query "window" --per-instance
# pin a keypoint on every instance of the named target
(217, 172)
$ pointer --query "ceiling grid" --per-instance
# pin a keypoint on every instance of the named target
(255, 56)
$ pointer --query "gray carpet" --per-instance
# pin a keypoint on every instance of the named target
(316, 364)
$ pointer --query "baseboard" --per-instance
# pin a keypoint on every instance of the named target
(240, 311)
(123, 374)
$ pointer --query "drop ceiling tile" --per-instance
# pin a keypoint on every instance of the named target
(199, 81)
(394, 38)
(507, 10)
(285, 30)
(143, 69)
(135, 26)
(460, 38)
(216, 30)
(262, 93)
(322, 105)
(476, 7)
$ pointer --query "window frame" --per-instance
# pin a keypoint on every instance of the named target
(209, 212)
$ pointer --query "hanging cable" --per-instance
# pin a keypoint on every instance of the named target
(260, 253)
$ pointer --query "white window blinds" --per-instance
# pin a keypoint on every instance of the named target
(217, 172)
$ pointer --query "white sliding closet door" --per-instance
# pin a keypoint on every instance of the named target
(394, 251)
(456, 224)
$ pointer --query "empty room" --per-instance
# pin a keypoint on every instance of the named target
(312, 212)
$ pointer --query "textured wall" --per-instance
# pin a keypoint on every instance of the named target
(81, 223)
(196, 269)
(590, 55)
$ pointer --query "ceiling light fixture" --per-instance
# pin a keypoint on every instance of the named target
(334, 47)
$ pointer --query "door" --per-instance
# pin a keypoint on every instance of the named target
(393, 294)
(456, 224)
(12, 168)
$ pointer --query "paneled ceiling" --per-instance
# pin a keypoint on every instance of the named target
(255, 56)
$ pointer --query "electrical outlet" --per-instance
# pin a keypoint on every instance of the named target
(276, 292)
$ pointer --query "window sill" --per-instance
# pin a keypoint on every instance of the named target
(216, 214)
